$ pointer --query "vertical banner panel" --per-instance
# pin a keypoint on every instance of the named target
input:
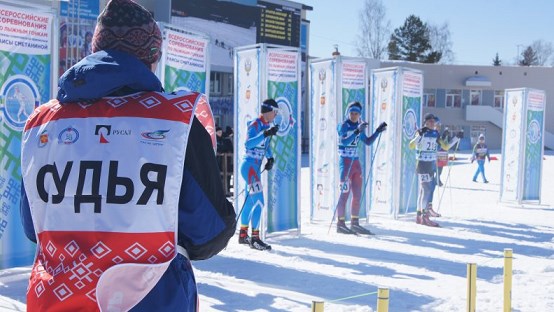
(184, 61)
(412, 91)
(534, 138)
(384, 91)
(323, 152)
(354, 88)
(247, 103)
(25, 79)
(511, 147)
(283, 68)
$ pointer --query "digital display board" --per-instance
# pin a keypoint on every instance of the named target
(278, 25)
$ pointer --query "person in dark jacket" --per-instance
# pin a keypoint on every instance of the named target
(114, 89)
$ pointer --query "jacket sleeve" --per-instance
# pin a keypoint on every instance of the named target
(206, 217)
(255, 135)
(26, 217)
(344, 138)
(369, 140)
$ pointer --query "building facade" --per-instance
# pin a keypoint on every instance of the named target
(471, 98)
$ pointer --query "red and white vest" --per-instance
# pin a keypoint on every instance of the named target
(103, 182)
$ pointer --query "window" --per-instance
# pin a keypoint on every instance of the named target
(453, 98)
(215, 83)
(476, 130)
(429, 98)
(499, 99)
(475, 97)
(229, 84)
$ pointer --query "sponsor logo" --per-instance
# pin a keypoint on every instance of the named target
(534, 131)
(410, 123)
(285, 118)
(247, 66)
(20, 96)
(154, 135)
(384, 84)
(322, 124)
(43, 139)
(68, 136)
(104, 131)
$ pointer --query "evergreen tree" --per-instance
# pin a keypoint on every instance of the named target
(411, 42)
(528, 57)
(496, 60)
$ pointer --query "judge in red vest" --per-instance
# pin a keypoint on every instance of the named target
(121, 187)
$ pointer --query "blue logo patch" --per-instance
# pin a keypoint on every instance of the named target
(68, 136)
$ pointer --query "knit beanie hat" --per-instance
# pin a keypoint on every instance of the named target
(128, 27)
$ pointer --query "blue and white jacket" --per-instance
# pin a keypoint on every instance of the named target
(348, 139)
(256, 143)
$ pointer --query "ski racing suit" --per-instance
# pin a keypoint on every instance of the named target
(426, 146)
(257, 147)
(349, 166)
(480, 152)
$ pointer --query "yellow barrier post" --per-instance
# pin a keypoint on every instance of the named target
(508, 279)
(383, 300)
(317, 306)
(471, 286)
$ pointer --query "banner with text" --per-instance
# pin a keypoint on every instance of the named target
(247, 99)
(534, 145)
(25, 82)
(184, 61)
(384, 90)
(283, 85)
(512, 143)
(323, 146)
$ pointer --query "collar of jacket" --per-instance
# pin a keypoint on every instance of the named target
(103, 73)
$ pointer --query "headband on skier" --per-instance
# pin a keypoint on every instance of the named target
(269, 105)
(354, 107)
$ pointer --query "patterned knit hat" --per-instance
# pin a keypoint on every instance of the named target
(128, 27)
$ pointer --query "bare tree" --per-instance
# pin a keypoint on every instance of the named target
(374, 30)
(439, 37)
(543, 51)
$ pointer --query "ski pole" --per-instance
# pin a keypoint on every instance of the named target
(335, 212)
(369, 171)
(448, 178)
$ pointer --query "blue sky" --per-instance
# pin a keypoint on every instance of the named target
(479, 28)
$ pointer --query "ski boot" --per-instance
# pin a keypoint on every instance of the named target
(432, 213)
(418, 218)
(258, 244)
(358, 229)
(426, 221)
(244, 239)
(343, 229)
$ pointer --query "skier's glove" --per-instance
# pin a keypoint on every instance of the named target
(382, 127)
(269, 164)
(271, 131)
(460, 135)
(361, 128)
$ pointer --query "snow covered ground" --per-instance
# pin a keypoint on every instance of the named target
(424, 268)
